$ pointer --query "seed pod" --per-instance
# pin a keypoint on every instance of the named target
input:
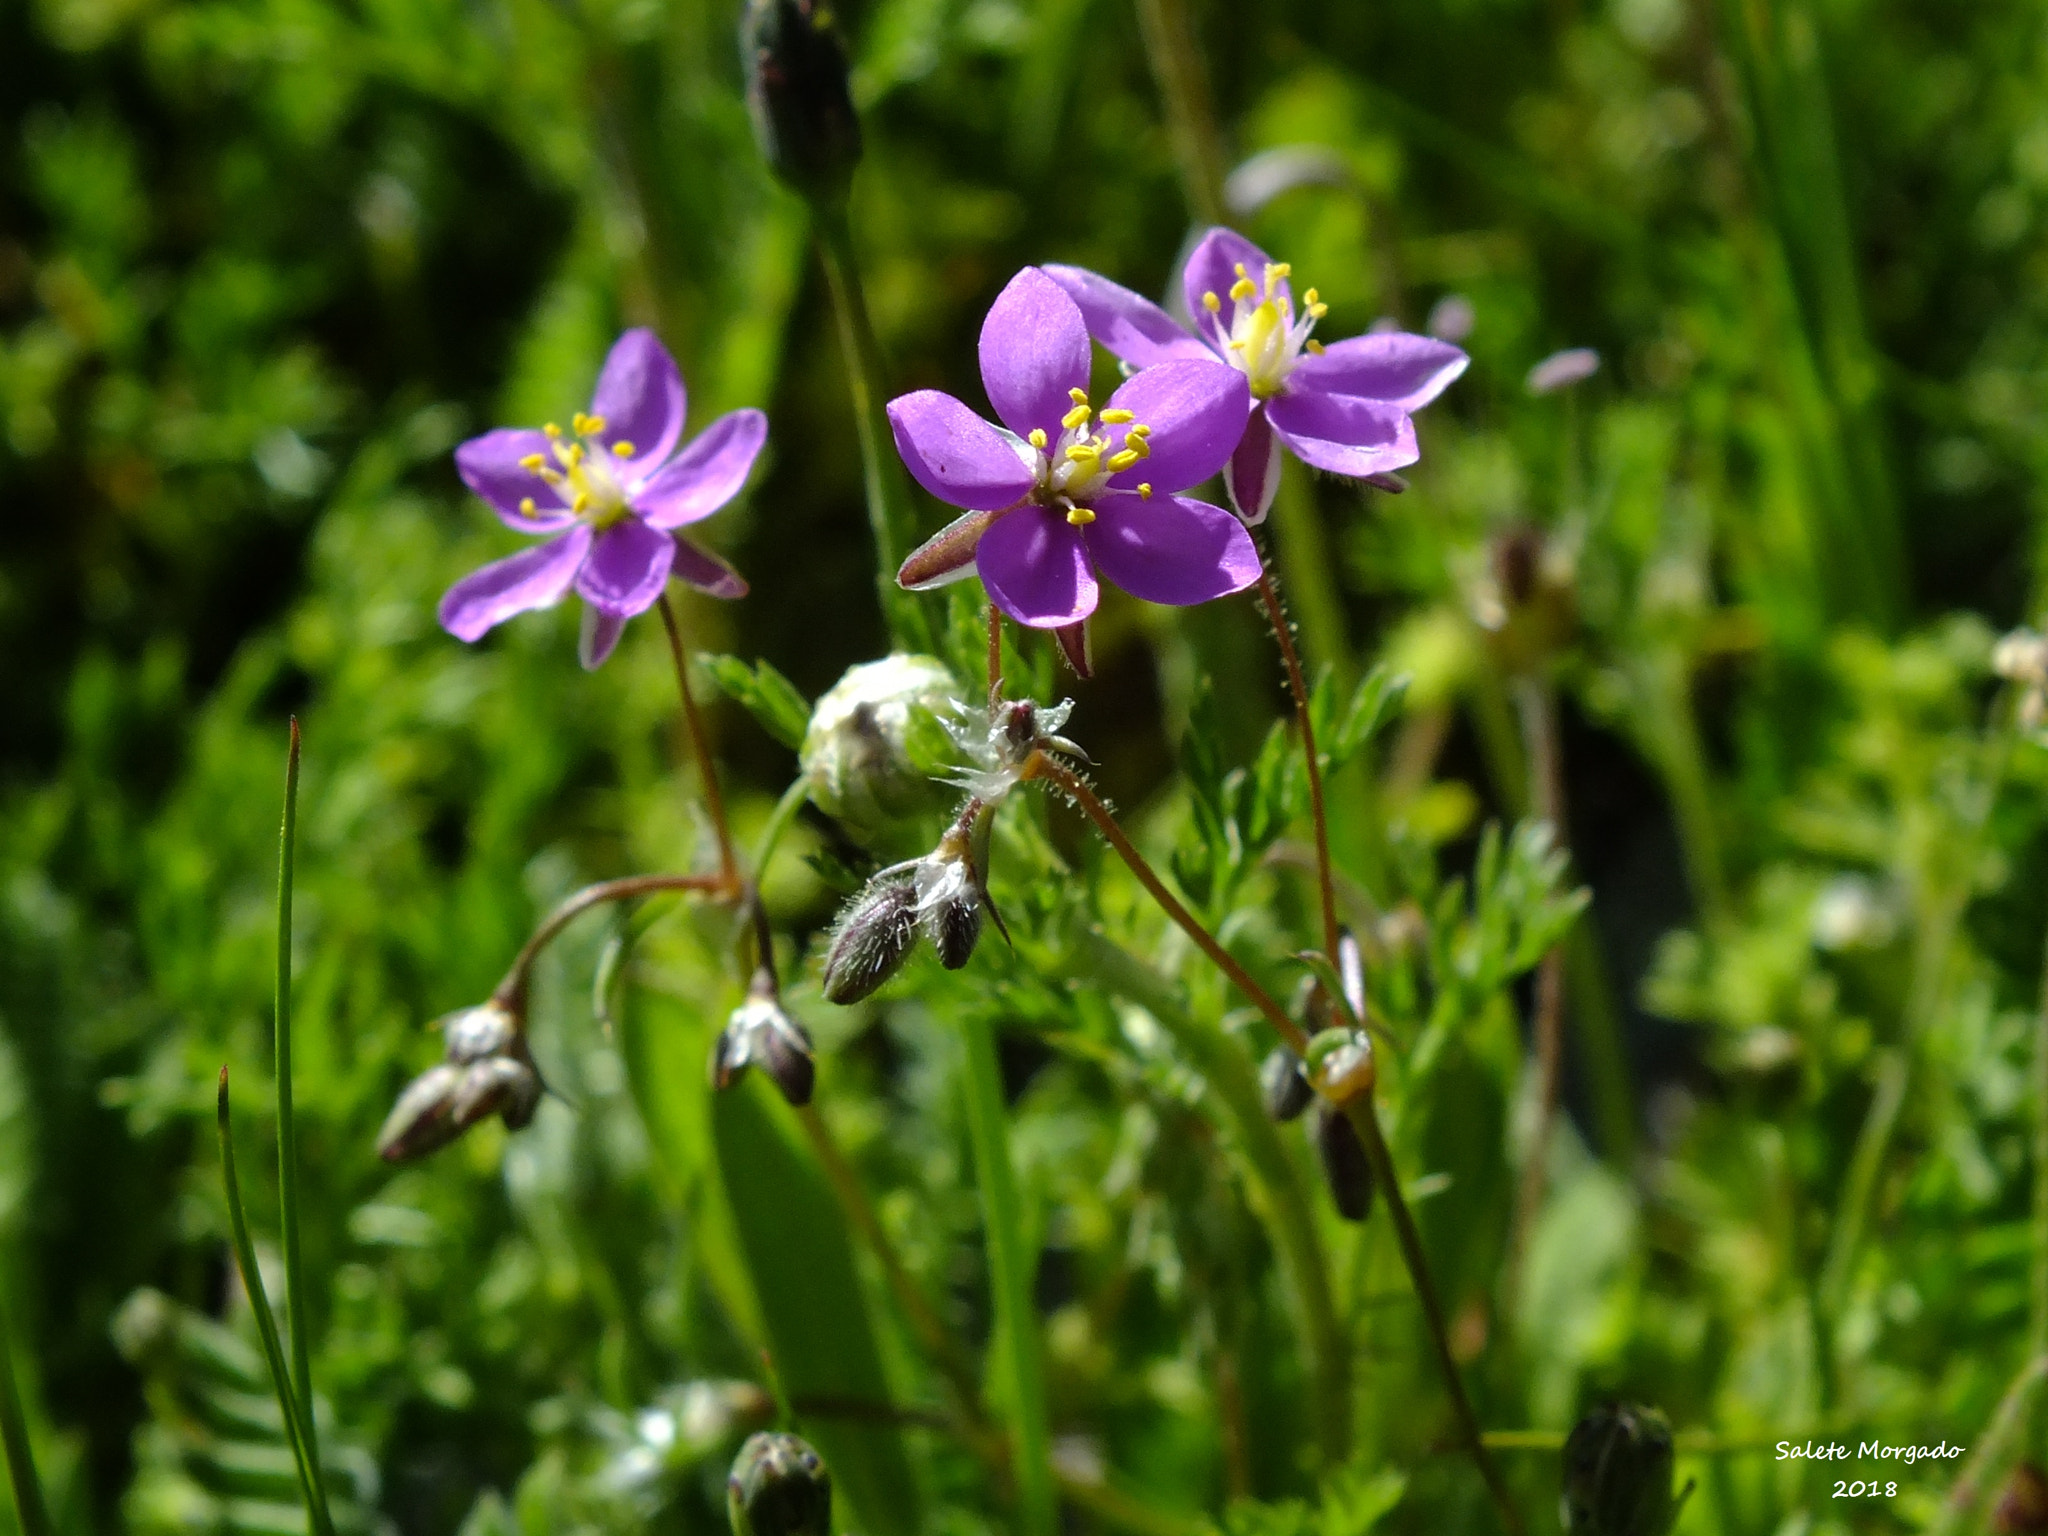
(1345, 1167)
(778, 1486)
(953, 924)
(470, 1034)
(873, 939)
(422, 1120)
(856, 755)
(2022, 1508)
(1618, 1474)
(1287, 1092)
(799, 96)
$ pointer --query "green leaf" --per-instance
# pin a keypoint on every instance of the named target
(766, 694)
(1376, 700)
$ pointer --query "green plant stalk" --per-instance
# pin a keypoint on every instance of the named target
(1169, 36)
(1310, 569)
(310, 1484)
(1536, 700)
(31, 1513)
(2006, 1422)
(700, 748)
(2037, 1278)
(1365, 1118)
(295, 1316)
(1289, 1209)
(1297, 685)
(889, 516)
(1010, 1283)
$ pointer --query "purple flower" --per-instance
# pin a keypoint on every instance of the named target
(1343, 408)
(611, 496)
(1062, 495)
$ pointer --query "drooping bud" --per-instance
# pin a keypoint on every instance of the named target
(470, 1034)
(799, 96)
(760, 1033)
(2022, 1508)
(1346, 1168)
(487, 1071)
(779, 1486)
(422, 1120)
(1287, 1093)
(1340, 1065)
(1618, 1474)
(856, 758)
(873, 937)
(498, 1085)
(950, 892)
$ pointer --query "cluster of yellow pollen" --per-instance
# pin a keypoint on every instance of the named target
(584, 481)
(1073, 470)
(1263, 336)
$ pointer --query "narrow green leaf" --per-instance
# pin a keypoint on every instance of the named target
(763, 692)
(31, 1512)
(287, 1135)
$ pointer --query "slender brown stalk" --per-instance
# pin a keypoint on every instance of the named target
(1069, 783)
(1367, 1122)
(1190, 120)
(995, 655)
(700, 746)
(1297, 684)
(512, 990)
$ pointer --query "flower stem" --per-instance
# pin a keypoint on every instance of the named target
(888, 511)
(2037, 1309)
(1366, 1120)
(1011, 1275)
(512, 990)
(1039, 766)
(995, 655)
(1190, 118)
(296, 1319)
(700, 746)
(296, 1432)
(31, 1513)
(1326, 890)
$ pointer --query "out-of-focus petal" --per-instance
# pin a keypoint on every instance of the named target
(533, 578)
(1036, 569)
(1034, 349)
(640, 396)
(1394, 366)
(1170, 549)
(947, 555)
(1196, 409)
(1213, 268)
(598, 636)
(490, 465)
(1344, 434)
(1128, 324)
(1253, 475)
(705, 475)
(628, 566)
(956, 455)
(706, 572)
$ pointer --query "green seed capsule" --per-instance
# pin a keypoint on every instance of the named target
(779, 1486)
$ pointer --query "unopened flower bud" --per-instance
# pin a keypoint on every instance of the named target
(1345, 1167)
(470, 1034)
(855, 757)
(1340, 1065)
(873, 938)
(760, 1033)
(799, 96)
(1286, 1091)
(498, 1085)
(488, 1071)
(779, 1486)
(2022, 1508)
(1618, 1474)
(422, 1120)
(950, 894)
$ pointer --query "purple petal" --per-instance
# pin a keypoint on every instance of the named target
(1196, 410)
(533, 578)
(705, 475)
(1561, 370)
(947, 555)
(627, 568)
(1213, 268)
(1036, 569)
(1170, 549)
(1404, 370)
(640, 396)
(1034, 349)
(1130, 325)
(489, 465)
(1344, 434)
(599, 634)
(1254, 473)
(956, 455)
(706, 572)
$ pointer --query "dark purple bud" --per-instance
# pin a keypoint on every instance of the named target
(799, 95)
(778, 1486)
(422, 1120)
(1618, 1474)
(1345, 1167)
(872, 940)
(760, 1034)
(953, 924)
(1287, 1092)
(498, 1085)
(2022, 1508)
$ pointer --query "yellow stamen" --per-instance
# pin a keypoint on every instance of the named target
(1078, 416)
(1275, 270)
(624, 449)
(581, 504)
(1116, 416)
(1238, 269)
(552, 476)
(1083, 453)
(1038, 438)
(1140, 430)
(1316, 347)
(526, 508)
(1145, 491)
(1078, 395)
(532, 462)
(1211, 303)
(1309, 298)
(552, 430)
(1079, 517)
(1317, 311)
(1119, 462)
(1243, 288)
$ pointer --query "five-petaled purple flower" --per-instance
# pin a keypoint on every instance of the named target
(1342, 408)
(1068, 494)
(611, 496)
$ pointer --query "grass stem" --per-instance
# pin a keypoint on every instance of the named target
(295, 1313)
(32, 1514)
(700, 748)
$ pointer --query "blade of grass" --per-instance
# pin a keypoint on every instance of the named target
(310, 1485)
(287, 1135)
(1010, 1281)
(31, 1513)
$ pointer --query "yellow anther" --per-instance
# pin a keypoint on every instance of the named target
(1078, 395)
(1038, 438)
(582, 502)
(624, 449)
(1078, 416)
(552, 430)
(1275, 270)
(1116, 416)
(1243, 288)
(532, 462)
(1141, 430)
(1317, 311)
(1210, 302)
(552, 476)
(1079, 517)
(1119, 462)
(592, 425)
(1309, 298)
(1238, 269)
(526, 508)
(1237, 345)
(1316, 347)
(1083, 453)
(1145, 490)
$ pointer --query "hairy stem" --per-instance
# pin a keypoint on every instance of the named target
(296, 1320)
(700, 748)
(31, 1513)
(1326, 890)
(1367, 1122)
(512, 990)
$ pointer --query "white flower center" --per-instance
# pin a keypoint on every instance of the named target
(1263, 338)
(1072, 471)
(581, 476)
